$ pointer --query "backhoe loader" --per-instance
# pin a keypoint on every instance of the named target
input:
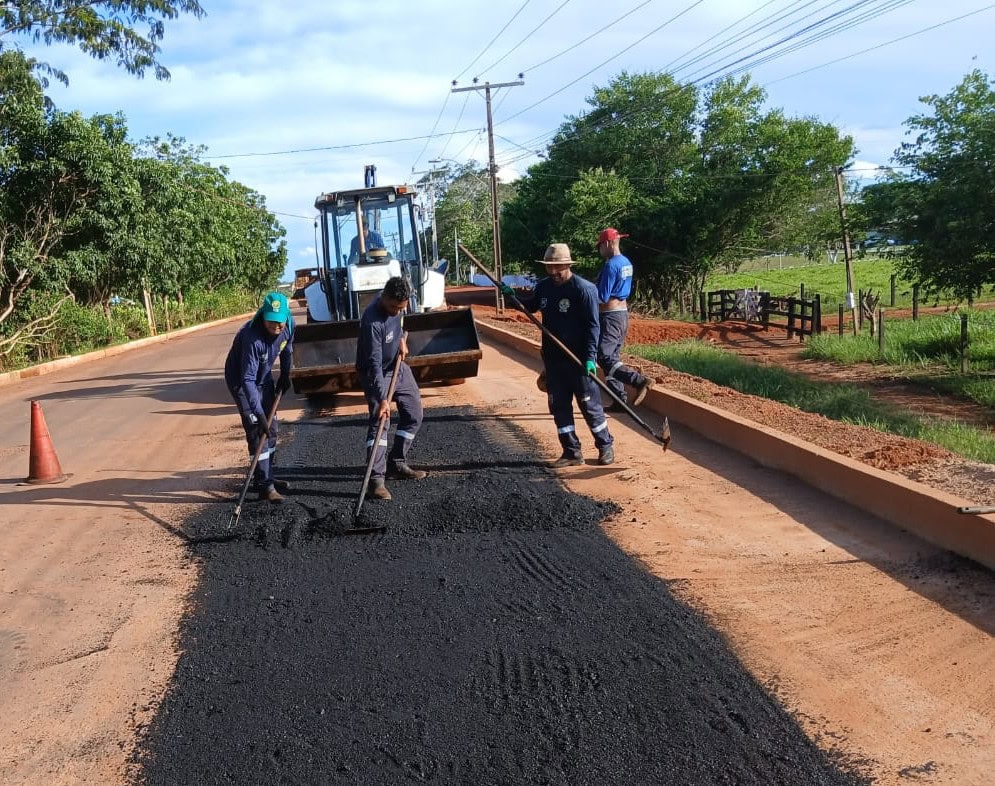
(364, 237)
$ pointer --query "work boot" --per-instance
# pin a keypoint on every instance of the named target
(401, 471)
(271, 494)
(378, 490)
(641, 391)
(282, 486)
(610, 405)
(541, 381)
(606, 455)
(567, 460)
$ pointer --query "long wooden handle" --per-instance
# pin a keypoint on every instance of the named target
(376, 439)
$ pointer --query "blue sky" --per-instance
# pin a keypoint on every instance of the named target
(253, 80)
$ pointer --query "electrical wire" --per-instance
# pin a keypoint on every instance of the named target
(348, 146)
(531, 33)
(884, 44)
(495, 38)
(597, 32)
(605, 62)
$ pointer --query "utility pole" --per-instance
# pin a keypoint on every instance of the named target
(851, 302)
(492, 167)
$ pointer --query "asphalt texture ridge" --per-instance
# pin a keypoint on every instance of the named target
(491, 634)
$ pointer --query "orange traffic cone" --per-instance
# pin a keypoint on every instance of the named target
(43, 464)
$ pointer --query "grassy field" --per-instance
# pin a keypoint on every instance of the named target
(928, 350)
(847, 403)
(828, 280)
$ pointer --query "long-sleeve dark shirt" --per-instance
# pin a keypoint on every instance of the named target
(249, 365)
(377, 348)
(570, 312)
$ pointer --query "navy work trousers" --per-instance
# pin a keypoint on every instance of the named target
(263, 475)
(614, 326)
(564, 383)
(409, 418)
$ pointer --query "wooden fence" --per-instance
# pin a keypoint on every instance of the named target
(799, 316)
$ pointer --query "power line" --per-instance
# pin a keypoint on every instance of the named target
(774, 17)
(605, 62)
(879, 46)
(347, 146)
(495, 38)
(597, 32)
(531, 33)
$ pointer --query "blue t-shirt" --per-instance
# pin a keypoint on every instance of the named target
(615, 279)
(570, 312)
(373, 240)
(376, 350)
(249, 365)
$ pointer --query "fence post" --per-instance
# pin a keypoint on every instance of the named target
(893, 277)
(860, 309)
(881, 330)
(703, 314)
(801, 291)
(841, 320)
(818, 314)
(963, 343)
(915, 302)
(791, 317)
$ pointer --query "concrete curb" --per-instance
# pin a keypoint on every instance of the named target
(924, 511)
(11, 377)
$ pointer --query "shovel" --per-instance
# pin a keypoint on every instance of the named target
(664, 434)
(255, 460)
(373, 453)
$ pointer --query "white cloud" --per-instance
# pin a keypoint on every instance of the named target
(259, 77)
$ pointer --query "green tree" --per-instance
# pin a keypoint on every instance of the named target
(946, 205)
(700, 175)
(104, 29)
(464, 209)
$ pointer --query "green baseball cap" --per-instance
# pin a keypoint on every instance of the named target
(275, 308)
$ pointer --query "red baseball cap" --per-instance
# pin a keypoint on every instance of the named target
(609, 235)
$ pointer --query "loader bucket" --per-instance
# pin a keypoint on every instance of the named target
(443, 346)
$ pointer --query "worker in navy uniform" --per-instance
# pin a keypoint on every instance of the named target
(614, 288)
(248, 374)
(569, 306)
(381, 340)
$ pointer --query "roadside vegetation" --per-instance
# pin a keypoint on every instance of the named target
(843, 402)
(92, 221)
(927, 350)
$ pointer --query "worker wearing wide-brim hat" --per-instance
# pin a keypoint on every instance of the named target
(614, 289)
(248, 374)
(569, 306)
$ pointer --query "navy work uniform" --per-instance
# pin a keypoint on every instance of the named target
(614, 289)
(248, 375)
(570, 312)
(376, 352)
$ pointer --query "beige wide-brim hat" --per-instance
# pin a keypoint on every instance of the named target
(557, 254)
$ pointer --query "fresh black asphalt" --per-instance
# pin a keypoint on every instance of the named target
(492, 634)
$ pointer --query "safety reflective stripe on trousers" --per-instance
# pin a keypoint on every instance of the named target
(613, 369)
(264, 456)
(404, 434)
(565, 430)
(602, 427)
(382, 443)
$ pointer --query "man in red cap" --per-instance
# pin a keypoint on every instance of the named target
(614, 289)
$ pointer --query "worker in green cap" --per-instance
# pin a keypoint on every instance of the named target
(248, 373)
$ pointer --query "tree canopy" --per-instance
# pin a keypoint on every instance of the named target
(944, 206)
(86, 214)
(104, 29)
(696, 177)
